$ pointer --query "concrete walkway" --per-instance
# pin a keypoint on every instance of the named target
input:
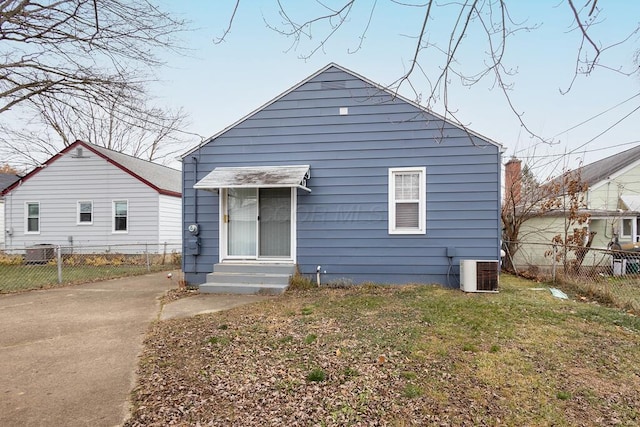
(68, 356)
(207, 303)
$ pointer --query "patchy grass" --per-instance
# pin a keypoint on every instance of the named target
(398, 356)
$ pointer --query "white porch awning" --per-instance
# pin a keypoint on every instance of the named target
(256, 177)
(632, 202)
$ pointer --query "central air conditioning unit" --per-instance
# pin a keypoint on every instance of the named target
(479, 275)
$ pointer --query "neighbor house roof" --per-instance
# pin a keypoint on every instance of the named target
(6, 179)
(599, 170)
(382, 88)
(163, 179)
(602, 169)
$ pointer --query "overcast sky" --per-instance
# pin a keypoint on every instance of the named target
(217, 84)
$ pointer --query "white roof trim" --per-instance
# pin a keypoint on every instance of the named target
(256, 177)
(631, 202)
(394, 94)
(614, 175)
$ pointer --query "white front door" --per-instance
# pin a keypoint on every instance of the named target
(257, 223)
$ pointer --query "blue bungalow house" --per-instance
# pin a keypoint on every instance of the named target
(345, 180)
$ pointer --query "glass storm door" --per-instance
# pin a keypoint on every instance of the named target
(274, 222)
(242, 214)
(258, 222)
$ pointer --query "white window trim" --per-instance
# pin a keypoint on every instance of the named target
(26, 218)
(634, 232)
(113, 217)
(422, 201)
(78, 222)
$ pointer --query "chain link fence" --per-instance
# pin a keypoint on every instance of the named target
(42, 266)
(609, 276)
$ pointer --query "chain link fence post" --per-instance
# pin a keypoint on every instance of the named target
(59, 263)
(554, 261)
(146, 251)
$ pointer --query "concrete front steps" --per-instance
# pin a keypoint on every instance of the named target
(248, 278)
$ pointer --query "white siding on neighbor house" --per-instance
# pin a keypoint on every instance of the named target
(606, 194)
(62, 184)
(2, 229)
(170, 219)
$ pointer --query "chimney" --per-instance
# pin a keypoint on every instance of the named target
(513, 181)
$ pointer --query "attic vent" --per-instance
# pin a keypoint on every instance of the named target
(339, 84)
(79, 153)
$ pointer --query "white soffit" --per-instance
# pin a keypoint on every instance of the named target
(256, 177)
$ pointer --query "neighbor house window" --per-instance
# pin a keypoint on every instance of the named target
(33, 217)
(120, 215)
(629, 229)
(85, 213)
(407, 200)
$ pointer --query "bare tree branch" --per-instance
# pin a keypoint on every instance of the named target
(222, 38)
(490, 17)
(78, 69)
(69, 46)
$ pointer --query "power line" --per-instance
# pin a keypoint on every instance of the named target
(597, 115)
(574, 150)
(544, 156)
(584, 122)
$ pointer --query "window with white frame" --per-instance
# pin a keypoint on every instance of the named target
(85, 212)
(629, 229)
(33, 217)
(120, 216)
(407, 200)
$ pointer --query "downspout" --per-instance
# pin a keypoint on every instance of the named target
(500, 196)
(9, 227)
(606, 207)
(195, 179)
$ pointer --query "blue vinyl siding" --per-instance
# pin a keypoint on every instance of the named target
(342, 224)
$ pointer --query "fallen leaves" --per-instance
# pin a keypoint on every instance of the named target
(311, 359)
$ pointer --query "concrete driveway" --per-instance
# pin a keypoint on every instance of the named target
(68, 356)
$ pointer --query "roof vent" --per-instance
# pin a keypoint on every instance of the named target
(339, 84)
(79, 154)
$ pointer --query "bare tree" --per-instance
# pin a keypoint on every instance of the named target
(526, 199)
(76, 57)
(575, 236)
(143, 131)
(486, 24)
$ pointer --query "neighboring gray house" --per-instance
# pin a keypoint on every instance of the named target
(6, 179)
(344, 178)
(88, 196)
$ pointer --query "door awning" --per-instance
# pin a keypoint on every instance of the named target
(256, 177)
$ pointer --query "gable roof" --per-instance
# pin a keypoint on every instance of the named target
(6, 179)
(381, 88)
(163, 179)
(603, 168)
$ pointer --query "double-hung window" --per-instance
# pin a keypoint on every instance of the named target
(407, 200)
(33, 217)
(630, 229)
(85, 213)
(120, 216)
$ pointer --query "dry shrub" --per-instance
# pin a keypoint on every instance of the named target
(301, 282)
(6, 259)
